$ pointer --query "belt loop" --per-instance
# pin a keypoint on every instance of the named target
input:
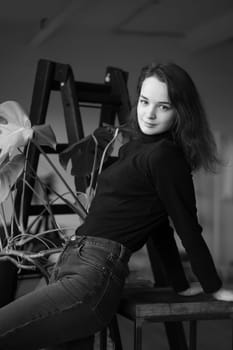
(124, 253)
(81, 240)
(121, 251)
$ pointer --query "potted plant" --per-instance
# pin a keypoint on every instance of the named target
(17, 251)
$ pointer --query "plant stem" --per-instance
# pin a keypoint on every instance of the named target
(89, 195)
(3, 220)
(58, 174)
(45, 203)
(21, 214)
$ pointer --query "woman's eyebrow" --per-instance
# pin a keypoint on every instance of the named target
(165, 103)
(146, 98)
(161, 102)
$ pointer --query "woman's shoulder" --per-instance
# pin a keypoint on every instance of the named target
(167, 156)
(164, 149)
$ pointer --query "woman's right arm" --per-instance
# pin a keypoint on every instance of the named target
(176, 191)
(164, 244)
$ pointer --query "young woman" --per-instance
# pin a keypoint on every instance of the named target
(150, 182)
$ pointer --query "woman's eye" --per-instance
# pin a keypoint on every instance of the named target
(164, 107)
(143, 102)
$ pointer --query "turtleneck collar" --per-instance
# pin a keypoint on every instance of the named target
(153, 138)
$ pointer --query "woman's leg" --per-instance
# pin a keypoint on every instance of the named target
(78, 344)
(82, 298)
(48, 316)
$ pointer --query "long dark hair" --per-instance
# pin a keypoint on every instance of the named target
(191, 129)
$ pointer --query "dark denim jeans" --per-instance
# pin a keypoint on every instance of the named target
(82, 297)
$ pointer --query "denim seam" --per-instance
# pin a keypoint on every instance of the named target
(94, 308)
(44, 317)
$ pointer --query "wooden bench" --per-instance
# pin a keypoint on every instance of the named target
(142, 305)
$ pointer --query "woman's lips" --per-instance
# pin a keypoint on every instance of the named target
(149, 125)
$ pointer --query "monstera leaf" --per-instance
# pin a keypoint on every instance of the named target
(15, 128)
(44, 135)
(82, 153)
(10, 170)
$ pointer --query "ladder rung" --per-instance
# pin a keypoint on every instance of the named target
(93, 87)
(93, 93)
(57, 209)
(95, 97)
(87, 87)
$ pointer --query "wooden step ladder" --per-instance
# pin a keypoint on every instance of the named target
(111, 97)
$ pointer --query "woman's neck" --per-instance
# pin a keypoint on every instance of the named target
(153, 138)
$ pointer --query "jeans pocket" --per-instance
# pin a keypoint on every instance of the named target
(94, 257)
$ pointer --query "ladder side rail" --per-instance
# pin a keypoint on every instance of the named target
(72, 114)
(109, 111)
(117, 79)
(37, 115)
(69, 94)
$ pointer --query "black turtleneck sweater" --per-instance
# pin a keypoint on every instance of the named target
(149, 183)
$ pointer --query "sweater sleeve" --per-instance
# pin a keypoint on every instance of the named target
(165, 245)
(174, 184)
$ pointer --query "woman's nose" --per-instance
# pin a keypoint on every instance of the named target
(152, 113)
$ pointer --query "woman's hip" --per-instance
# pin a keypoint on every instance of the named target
(93, 270)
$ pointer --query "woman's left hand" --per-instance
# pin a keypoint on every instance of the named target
(223, 294)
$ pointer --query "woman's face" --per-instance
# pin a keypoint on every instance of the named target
(154, 110)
